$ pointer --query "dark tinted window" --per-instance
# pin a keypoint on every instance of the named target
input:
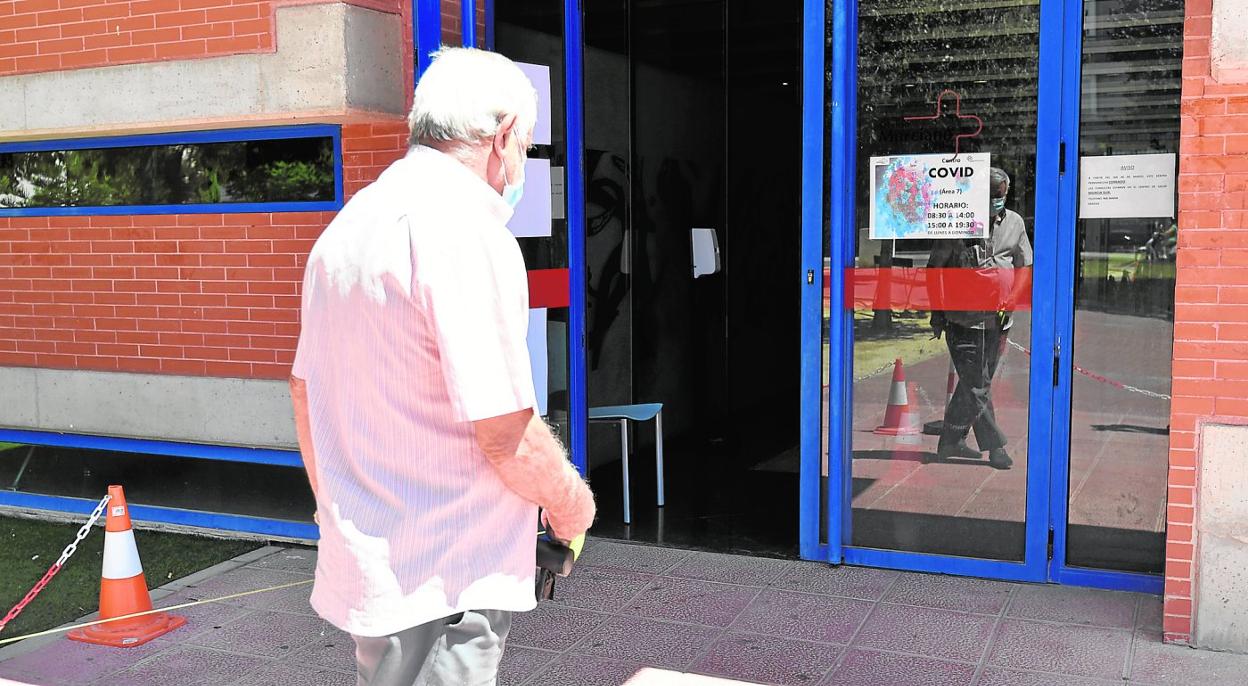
(246, 171)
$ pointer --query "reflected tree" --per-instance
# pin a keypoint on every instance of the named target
(287, 170)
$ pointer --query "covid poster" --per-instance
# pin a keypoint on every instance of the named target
(929, 196)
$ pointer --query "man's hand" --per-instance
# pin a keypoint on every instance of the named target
(938, 325)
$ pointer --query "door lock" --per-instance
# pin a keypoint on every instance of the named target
(810, 277)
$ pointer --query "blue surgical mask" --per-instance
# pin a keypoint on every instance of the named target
(512, 192)
(998, 205)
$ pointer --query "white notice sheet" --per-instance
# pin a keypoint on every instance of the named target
(1126, 186)
(538, 357)
(533, 214)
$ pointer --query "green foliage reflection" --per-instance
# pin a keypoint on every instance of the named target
(289, 170)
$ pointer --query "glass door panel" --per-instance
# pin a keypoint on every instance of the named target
(939, 430)
(1124, 286)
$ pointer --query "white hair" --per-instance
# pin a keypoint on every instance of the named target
(465, 93)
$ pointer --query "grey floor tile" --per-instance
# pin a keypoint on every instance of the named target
(294, 599)
(927, 631)
(1070, 605)
(687, 600)
(586, 670)
(996, 676)
(245, 579)
(730, 569)
(199, 618)
(869, 668)
(70, 663)
(632, 558)
(285, 674)
(599, 588)
(300, 560)
(646, 641)
(806, 616)
(1075, 650)
(851, 582)
(553, 627)
(1149, 615)
(521, 663)
(951, 593)
(1156, 662)
(267, 634)
(768, 659)
(333, 649)
(190, 666)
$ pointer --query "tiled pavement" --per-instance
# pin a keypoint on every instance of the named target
(645, 616)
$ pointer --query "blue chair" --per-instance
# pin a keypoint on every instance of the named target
(634, 413)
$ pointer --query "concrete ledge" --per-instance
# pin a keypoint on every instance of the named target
(242, 412)
(332, 61)
(1228, 47)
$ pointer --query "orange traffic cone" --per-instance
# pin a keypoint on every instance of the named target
(123, 590)
(899, 419)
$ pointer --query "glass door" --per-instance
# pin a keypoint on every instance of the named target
(940, 180)
(1109, 481)
(995, 220)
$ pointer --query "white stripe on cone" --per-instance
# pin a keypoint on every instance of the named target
(121, 555)
(897, 394)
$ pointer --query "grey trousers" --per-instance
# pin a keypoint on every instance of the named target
(975, 353)
(460, 650)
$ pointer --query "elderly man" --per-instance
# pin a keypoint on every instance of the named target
(976, 339)
(414, 397)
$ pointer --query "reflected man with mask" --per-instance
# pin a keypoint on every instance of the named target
(976, 338)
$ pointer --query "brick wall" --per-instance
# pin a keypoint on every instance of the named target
(195, 294)
(51, 35)
(452, 23)
(1211, 297)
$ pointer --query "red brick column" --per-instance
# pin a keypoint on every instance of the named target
(1211, 296)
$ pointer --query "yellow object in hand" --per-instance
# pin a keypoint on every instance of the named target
(576, 544)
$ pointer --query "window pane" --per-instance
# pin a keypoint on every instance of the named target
(285, 170)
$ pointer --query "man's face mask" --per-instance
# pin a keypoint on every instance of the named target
(998, 205)
(513, 190)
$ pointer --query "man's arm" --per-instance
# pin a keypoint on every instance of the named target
(1022, 259)
(303, 430)
(532, 463)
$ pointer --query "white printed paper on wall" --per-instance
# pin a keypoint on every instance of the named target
(558, 199)
(929, 196)
(1126, 186)
(532, 216)
(539, 74)
(538, 357)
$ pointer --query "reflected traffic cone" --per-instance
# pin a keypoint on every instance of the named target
(910, 418)
(898, 418)
(934, 428)
(123, 590)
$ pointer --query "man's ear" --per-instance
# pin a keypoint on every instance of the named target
(506, 128)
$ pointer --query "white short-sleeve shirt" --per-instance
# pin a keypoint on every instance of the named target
(415, 311)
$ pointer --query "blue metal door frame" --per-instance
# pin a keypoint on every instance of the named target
(1052, 314)
(574, 187)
